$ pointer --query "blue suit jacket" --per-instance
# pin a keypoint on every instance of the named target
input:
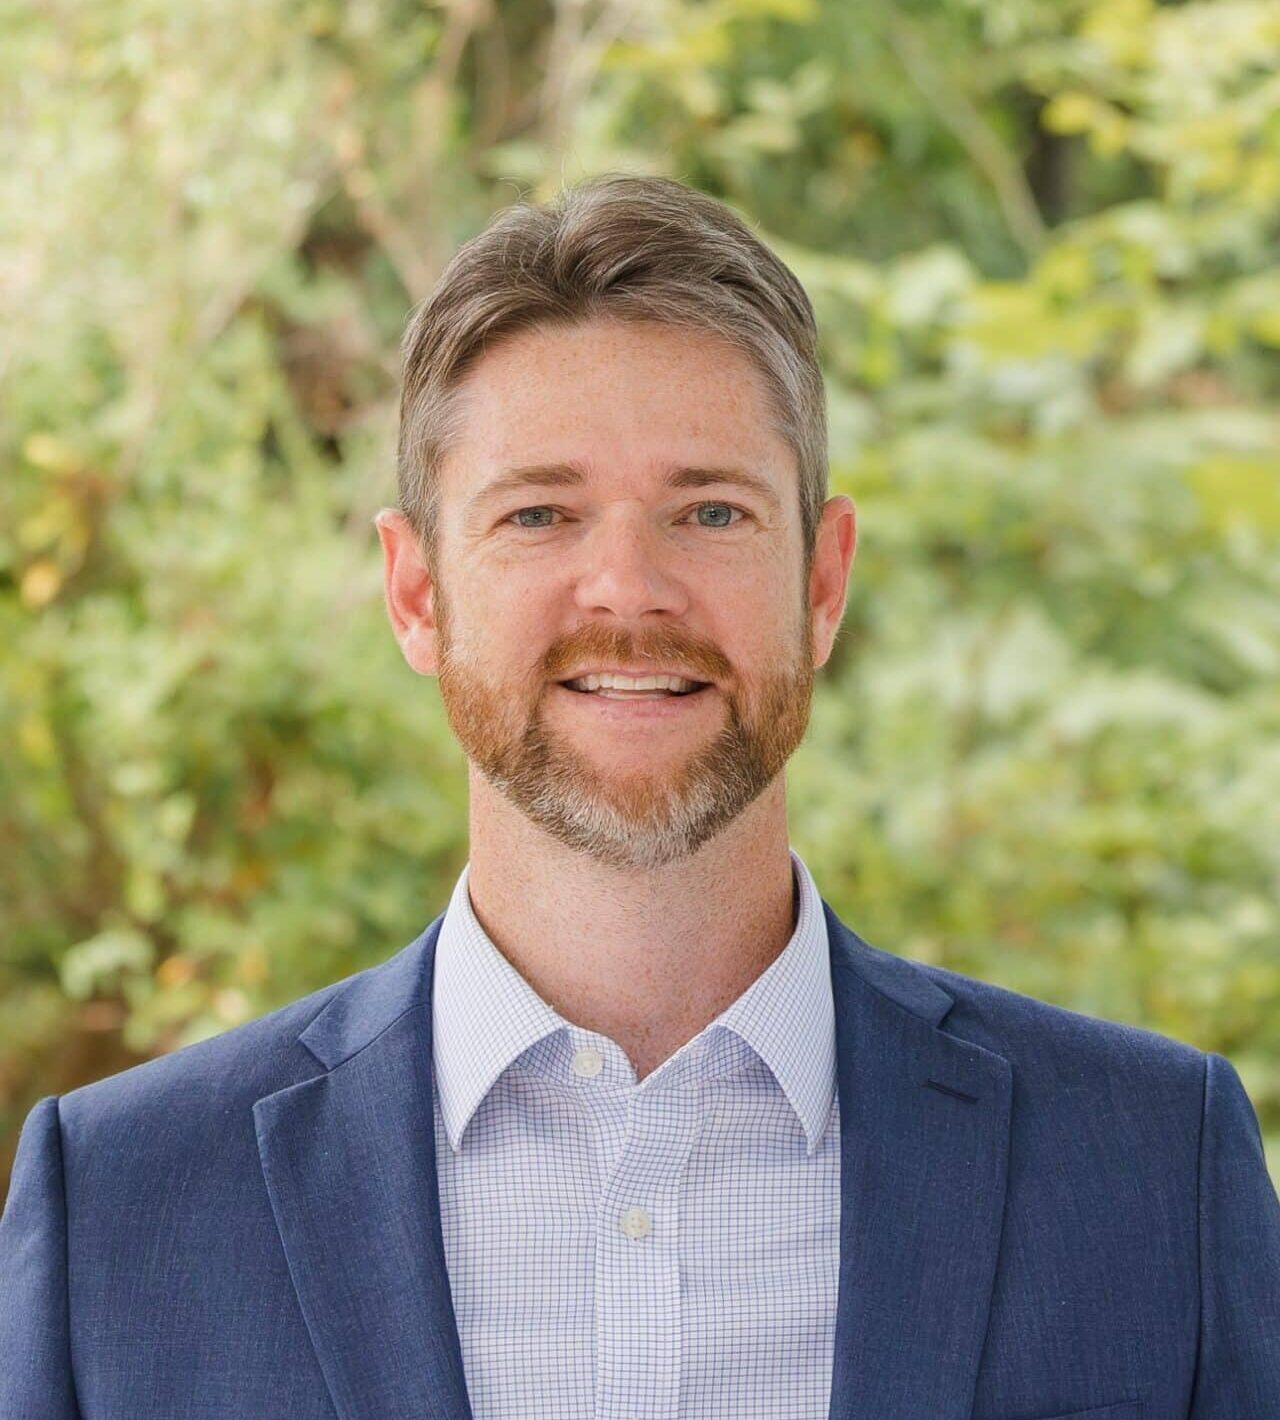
(1043, 1215)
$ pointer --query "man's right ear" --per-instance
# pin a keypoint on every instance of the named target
(408, 589)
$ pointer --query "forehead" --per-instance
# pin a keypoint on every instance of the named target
(647, 394)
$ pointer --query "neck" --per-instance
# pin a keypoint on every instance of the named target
(647, 959)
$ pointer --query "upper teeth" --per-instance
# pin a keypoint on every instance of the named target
(606, 681)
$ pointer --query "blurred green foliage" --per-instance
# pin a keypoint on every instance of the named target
(1042, 239)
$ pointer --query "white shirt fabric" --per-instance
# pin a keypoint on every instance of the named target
(661, 1250)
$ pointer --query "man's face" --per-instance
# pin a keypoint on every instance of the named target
(621, 570)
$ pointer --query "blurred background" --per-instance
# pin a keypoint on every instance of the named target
(1042, 238)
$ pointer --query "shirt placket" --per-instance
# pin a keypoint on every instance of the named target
(637, 1264)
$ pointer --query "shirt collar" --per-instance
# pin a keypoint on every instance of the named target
(485, 1015)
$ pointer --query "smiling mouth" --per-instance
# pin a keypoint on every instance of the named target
(608, 694)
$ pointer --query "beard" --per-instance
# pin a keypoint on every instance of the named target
(628, 818)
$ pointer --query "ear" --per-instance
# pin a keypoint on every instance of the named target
(836, 542)
(409, 590)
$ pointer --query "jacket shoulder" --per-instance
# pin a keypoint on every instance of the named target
(1068, 1049)
(219, 1073)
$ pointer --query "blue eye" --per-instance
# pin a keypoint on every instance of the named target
(543, 508)
(518, 512)
(729, 506)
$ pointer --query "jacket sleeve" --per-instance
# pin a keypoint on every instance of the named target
(35, 1352)
(1238, 1365)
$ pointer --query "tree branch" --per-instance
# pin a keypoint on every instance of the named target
(974, 134)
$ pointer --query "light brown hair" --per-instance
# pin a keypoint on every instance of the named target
(615, 246)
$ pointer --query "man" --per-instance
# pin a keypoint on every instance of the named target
(637, 1127)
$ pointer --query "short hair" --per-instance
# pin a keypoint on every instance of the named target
(620, 246)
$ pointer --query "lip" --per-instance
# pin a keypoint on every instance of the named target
(631, 675)
(667, 708)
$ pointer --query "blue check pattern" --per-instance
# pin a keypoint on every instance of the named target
(661, 1250)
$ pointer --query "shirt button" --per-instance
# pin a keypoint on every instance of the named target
(635, 1223)
(587, 1062)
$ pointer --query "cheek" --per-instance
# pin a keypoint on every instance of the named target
(752, 598)
(514, 626)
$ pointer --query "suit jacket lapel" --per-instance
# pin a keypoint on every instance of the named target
(349, 1163)
(924, 1140)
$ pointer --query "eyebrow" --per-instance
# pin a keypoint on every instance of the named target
(572, 475)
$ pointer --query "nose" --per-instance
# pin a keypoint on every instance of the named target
(625, 569)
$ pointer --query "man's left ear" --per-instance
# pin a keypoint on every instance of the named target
(834, 548)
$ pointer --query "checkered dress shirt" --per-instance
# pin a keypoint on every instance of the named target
(666, 1250)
